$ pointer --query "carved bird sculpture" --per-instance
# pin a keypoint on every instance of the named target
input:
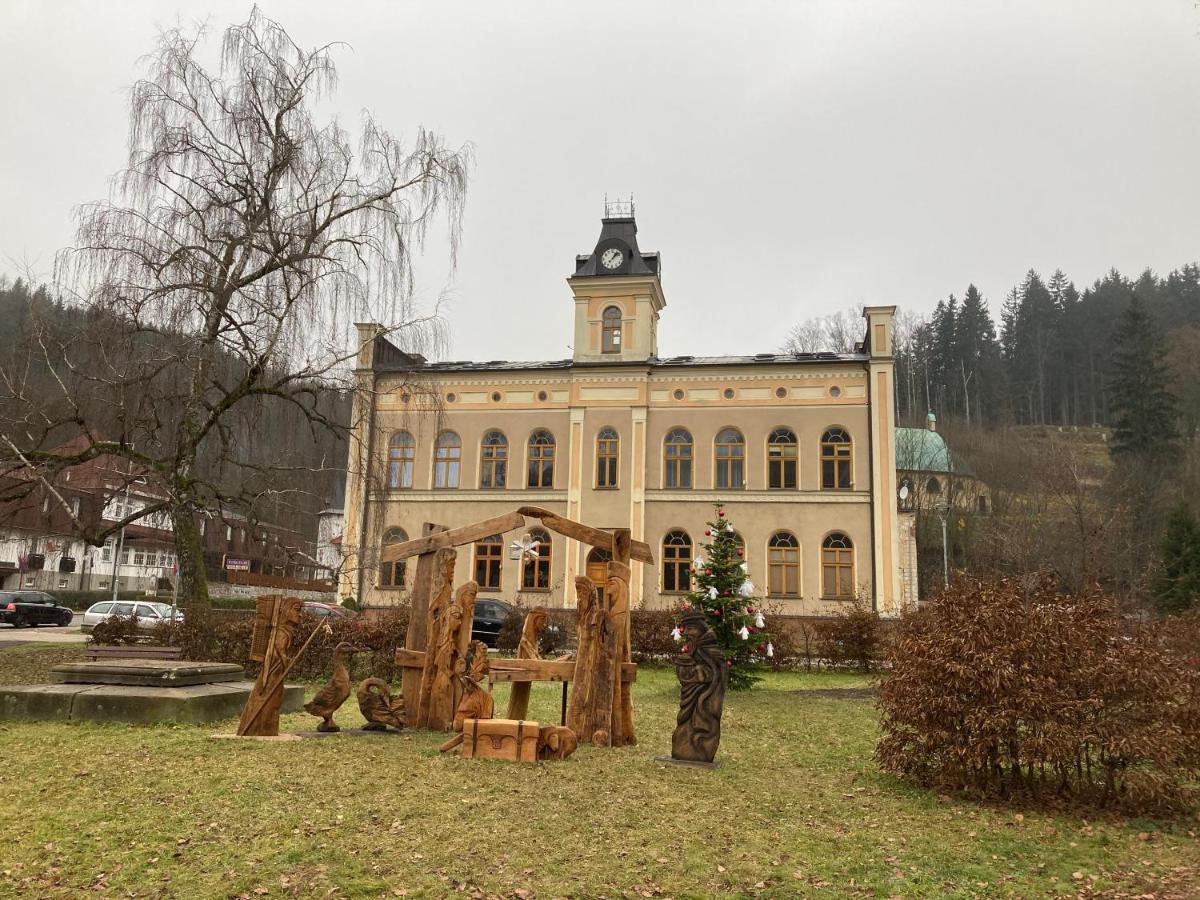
(334, 694)
(378, 707)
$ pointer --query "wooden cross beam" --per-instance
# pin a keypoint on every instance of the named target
(595, 537)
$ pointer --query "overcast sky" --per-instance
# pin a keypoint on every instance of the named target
(787, 159)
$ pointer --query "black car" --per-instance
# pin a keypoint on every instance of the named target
(489, 619)
(21, 608)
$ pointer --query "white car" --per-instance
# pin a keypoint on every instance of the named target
(149, 614)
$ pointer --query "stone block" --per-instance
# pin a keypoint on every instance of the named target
(133, 704)
(150, 672)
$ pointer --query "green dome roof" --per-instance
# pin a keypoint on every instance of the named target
(922, 450)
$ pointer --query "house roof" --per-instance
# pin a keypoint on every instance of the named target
(655, 362)
(922, 450)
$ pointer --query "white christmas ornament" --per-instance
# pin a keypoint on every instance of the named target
(770, 649)
(712, 593)
(676, 634)
(745, 567)
(759, 621)
(744, 633)
(698, 562)
(747, 588)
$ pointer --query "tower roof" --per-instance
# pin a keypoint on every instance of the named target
(618, 233)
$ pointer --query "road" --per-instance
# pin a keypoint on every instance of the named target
(51, 634)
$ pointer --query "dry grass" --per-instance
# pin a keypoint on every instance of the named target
(796, 809)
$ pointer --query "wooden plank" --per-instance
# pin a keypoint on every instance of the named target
(417, 636)
(594, 537)
(517, 676)
(455, 537)
(409, 659)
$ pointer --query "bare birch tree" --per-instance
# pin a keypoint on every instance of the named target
(240, 241)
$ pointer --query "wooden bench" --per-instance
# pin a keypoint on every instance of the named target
(132, 651)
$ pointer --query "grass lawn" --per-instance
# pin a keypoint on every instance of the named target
(797, 808)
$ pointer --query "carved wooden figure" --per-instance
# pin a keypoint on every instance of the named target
(589, 713)
(275, 622)
(378, 706)
(476, 703)
(703, 676)
(439, 603)
(531, 632)
(617, 593)
(556, 742)
(330, 698)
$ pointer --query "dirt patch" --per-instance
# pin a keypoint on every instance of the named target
(839, 693)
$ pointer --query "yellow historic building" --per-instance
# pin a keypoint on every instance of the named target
(801, 449)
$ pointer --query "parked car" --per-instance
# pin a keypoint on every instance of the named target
(31, 608)
(327, 609)
(150, 614)
(489, 619)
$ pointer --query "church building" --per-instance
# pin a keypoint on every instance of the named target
(800, 449)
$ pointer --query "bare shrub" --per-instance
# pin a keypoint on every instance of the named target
(1007, 689)
(852, 639)
(117, 630)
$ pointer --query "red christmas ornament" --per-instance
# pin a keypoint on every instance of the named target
(729, 662)
(716, 612)
(708, 571)
(708, 532)
(721, 513)
(741, 552)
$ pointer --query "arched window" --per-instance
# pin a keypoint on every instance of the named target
(677, 563)
(541, 459)
(837, 567)
(608, 445)
(677, 459)
(933, 486)
(783, 565)
(489, 556)
(391, 574)
(402, 450)
(535, 570)
(446, 460)
(836, 460)
(493, 460)
(729, 451)
(610, 331)
(783, 451)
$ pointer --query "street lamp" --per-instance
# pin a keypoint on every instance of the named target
(942, 505)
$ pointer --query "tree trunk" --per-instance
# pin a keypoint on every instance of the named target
(193, 579)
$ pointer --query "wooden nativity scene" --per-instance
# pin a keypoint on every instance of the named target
(447, 677)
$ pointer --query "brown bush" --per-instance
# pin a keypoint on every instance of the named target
(852, 639)
(224, 636)
(120, 630)
(1007, 691)
(650, 635)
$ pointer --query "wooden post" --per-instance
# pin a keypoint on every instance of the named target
(417, 638)
(619, 576)
(435, 618)
(531, 631)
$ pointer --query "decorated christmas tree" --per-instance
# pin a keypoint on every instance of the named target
(722, 588)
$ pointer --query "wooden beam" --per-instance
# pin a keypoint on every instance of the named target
(593, 537)
(455, 537)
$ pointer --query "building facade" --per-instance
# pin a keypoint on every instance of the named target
(800, 449)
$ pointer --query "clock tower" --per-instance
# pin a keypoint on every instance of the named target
(618, 294)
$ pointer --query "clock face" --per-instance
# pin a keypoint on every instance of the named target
(612, 258)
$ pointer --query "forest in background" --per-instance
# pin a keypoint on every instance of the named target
(269, 463)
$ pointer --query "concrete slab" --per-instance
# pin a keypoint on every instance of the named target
(148, 672)
(140, 705)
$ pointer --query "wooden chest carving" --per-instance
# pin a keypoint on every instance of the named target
(511, 739)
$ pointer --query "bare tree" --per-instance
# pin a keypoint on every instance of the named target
(835, 333)
(241, 239)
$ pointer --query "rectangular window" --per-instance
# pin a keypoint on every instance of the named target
(488, 559)
(106, 551)
(139, 557)
(607, 445)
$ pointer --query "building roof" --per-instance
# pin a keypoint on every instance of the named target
(654, 362)
(922, 450)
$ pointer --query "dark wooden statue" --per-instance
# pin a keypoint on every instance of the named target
(703, 677)
(378, 706)
(333, 695)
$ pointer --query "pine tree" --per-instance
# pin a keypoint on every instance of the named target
(724, 592)
(1144, 414)
(1177, 585)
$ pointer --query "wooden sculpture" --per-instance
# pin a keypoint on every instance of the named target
(531, 632)
(275, 623)
(589, 713)
(378, 706)
(617, 593)
(333, 695)
(473, 668)
(703, 677)
(439, 603)
(556, 742)
(446, 649)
